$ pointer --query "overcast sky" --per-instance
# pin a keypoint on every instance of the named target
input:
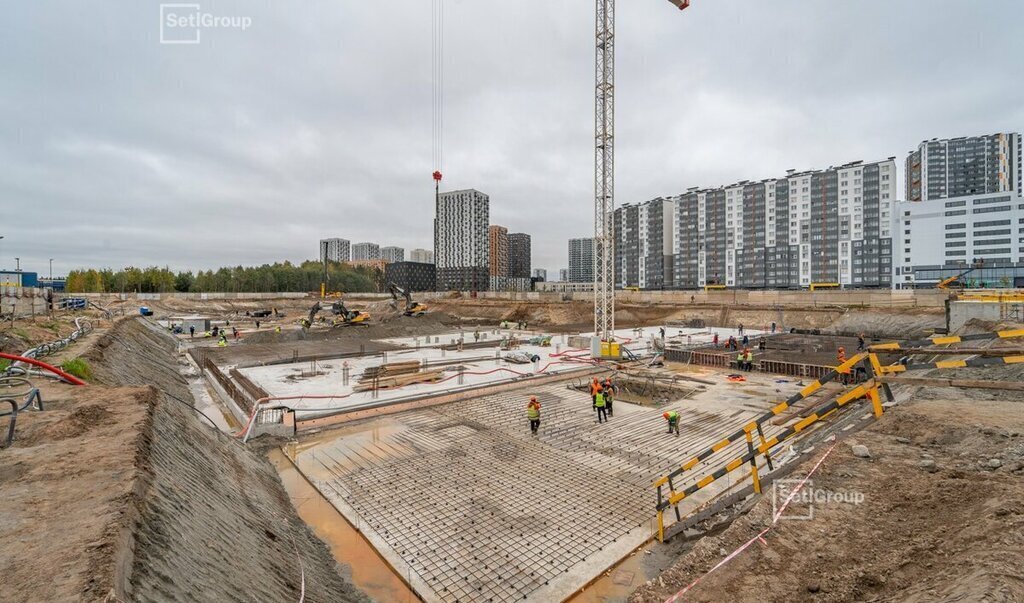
(315, 121)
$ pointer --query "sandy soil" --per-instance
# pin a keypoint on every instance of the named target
(122, 493)
(952, 534)
(66, 484)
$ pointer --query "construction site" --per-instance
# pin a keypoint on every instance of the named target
(393, 459)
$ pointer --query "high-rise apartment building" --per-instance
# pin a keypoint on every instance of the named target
(423, 256)
(540, 273)
(581, 260)
(497, 245)
(969, 165)
(563, 275)
(644, 244)
(334, 250)
(519, 255)
(460, 240)
(818, 226)
(392, 254)
(365, 251)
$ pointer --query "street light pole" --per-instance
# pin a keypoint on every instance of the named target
(17, 264)
(51, 272)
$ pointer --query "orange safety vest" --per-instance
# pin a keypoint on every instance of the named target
(595, 388)
(842, 360)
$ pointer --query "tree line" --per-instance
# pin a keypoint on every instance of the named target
(268, 278)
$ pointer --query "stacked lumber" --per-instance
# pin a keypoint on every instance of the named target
(395, 374)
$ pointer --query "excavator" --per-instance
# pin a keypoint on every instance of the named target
(345, 317)
(412, 308)
(945, 284)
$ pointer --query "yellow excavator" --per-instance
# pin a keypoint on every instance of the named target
(345, 317)
(945, 283)
(412, 308)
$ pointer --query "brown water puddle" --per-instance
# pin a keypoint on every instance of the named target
(369, 572)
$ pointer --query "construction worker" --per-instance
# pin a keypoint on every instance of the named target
(673, 421)
(748, 358)
(476, 336)
(860, 342)
(844, 373)
(277, 329)
(191, 331)
(234, 332)
(762, 344)
(740, 360)
(533, 414)
(601, 406)
(595, 388)
(714, 340)
(223, 341)
(608, 390)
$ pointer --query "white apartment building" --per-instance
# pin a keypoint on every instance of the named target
(819, 226)
(421, 256)
(365, 251)
(941, 237)
(334, 250)
(392, 254)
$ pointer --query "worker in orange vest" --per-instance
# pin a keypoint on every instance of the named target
(595, 388)
(844, 373)
(533, 414)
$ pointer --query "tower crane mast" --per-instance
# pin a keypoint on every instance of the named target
(604, 169)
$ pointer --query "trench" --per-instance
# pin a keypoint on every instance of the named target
(361, 563)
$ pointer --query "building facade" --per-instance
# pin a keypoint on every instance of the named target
(424, 256)
(411, 276)
(334, 250)
(392, 254)
(818, 226)
(461, 248)
(939, 238)
(497, 245)
(365, 251)
(965, 166)
(541, 274)
(581, 260)
(644, 244)
(520, 253)
(563, 275)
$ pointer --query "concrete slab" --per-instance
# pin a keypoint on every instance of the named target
(469, 506)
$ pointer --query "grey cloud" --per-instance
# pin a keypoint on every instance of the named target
(315, 122)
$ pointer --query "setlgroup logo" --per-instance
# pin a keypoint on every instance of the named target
(796, 499)
(182, 23)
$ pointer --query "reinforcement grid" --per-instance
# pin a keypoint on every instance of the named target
(483, 511)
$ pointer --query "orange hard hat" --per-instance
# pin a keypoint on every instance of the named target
(842, 349)
(533, 398)
(665, 415)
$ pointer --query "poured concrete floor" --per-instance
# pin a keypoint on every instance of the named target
(468, 506)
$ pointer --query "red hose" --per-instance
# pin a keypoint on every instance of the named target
(49, 367)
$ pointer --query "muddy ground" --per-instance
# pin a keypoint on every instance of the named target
(119, 492)
(952, 532)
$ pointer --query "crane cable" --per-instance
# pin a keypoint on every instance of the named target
(438, 85)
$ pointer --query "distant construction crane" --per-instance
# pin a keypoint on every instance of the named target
(604, 152)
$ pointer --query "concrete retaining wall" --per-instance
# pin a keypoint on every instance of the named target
(22, 301)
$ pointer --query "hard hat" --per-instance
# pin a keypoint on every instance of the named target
(665, 415)
(842, 349)
(533, 398)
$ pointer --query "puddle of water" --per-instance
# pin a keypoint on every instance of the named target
(368, 570)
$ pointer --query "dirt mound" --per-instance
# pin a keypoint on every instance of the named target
(909, 323)
(79, 421)
(154, 504)
(67, 486)
(953, 532)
